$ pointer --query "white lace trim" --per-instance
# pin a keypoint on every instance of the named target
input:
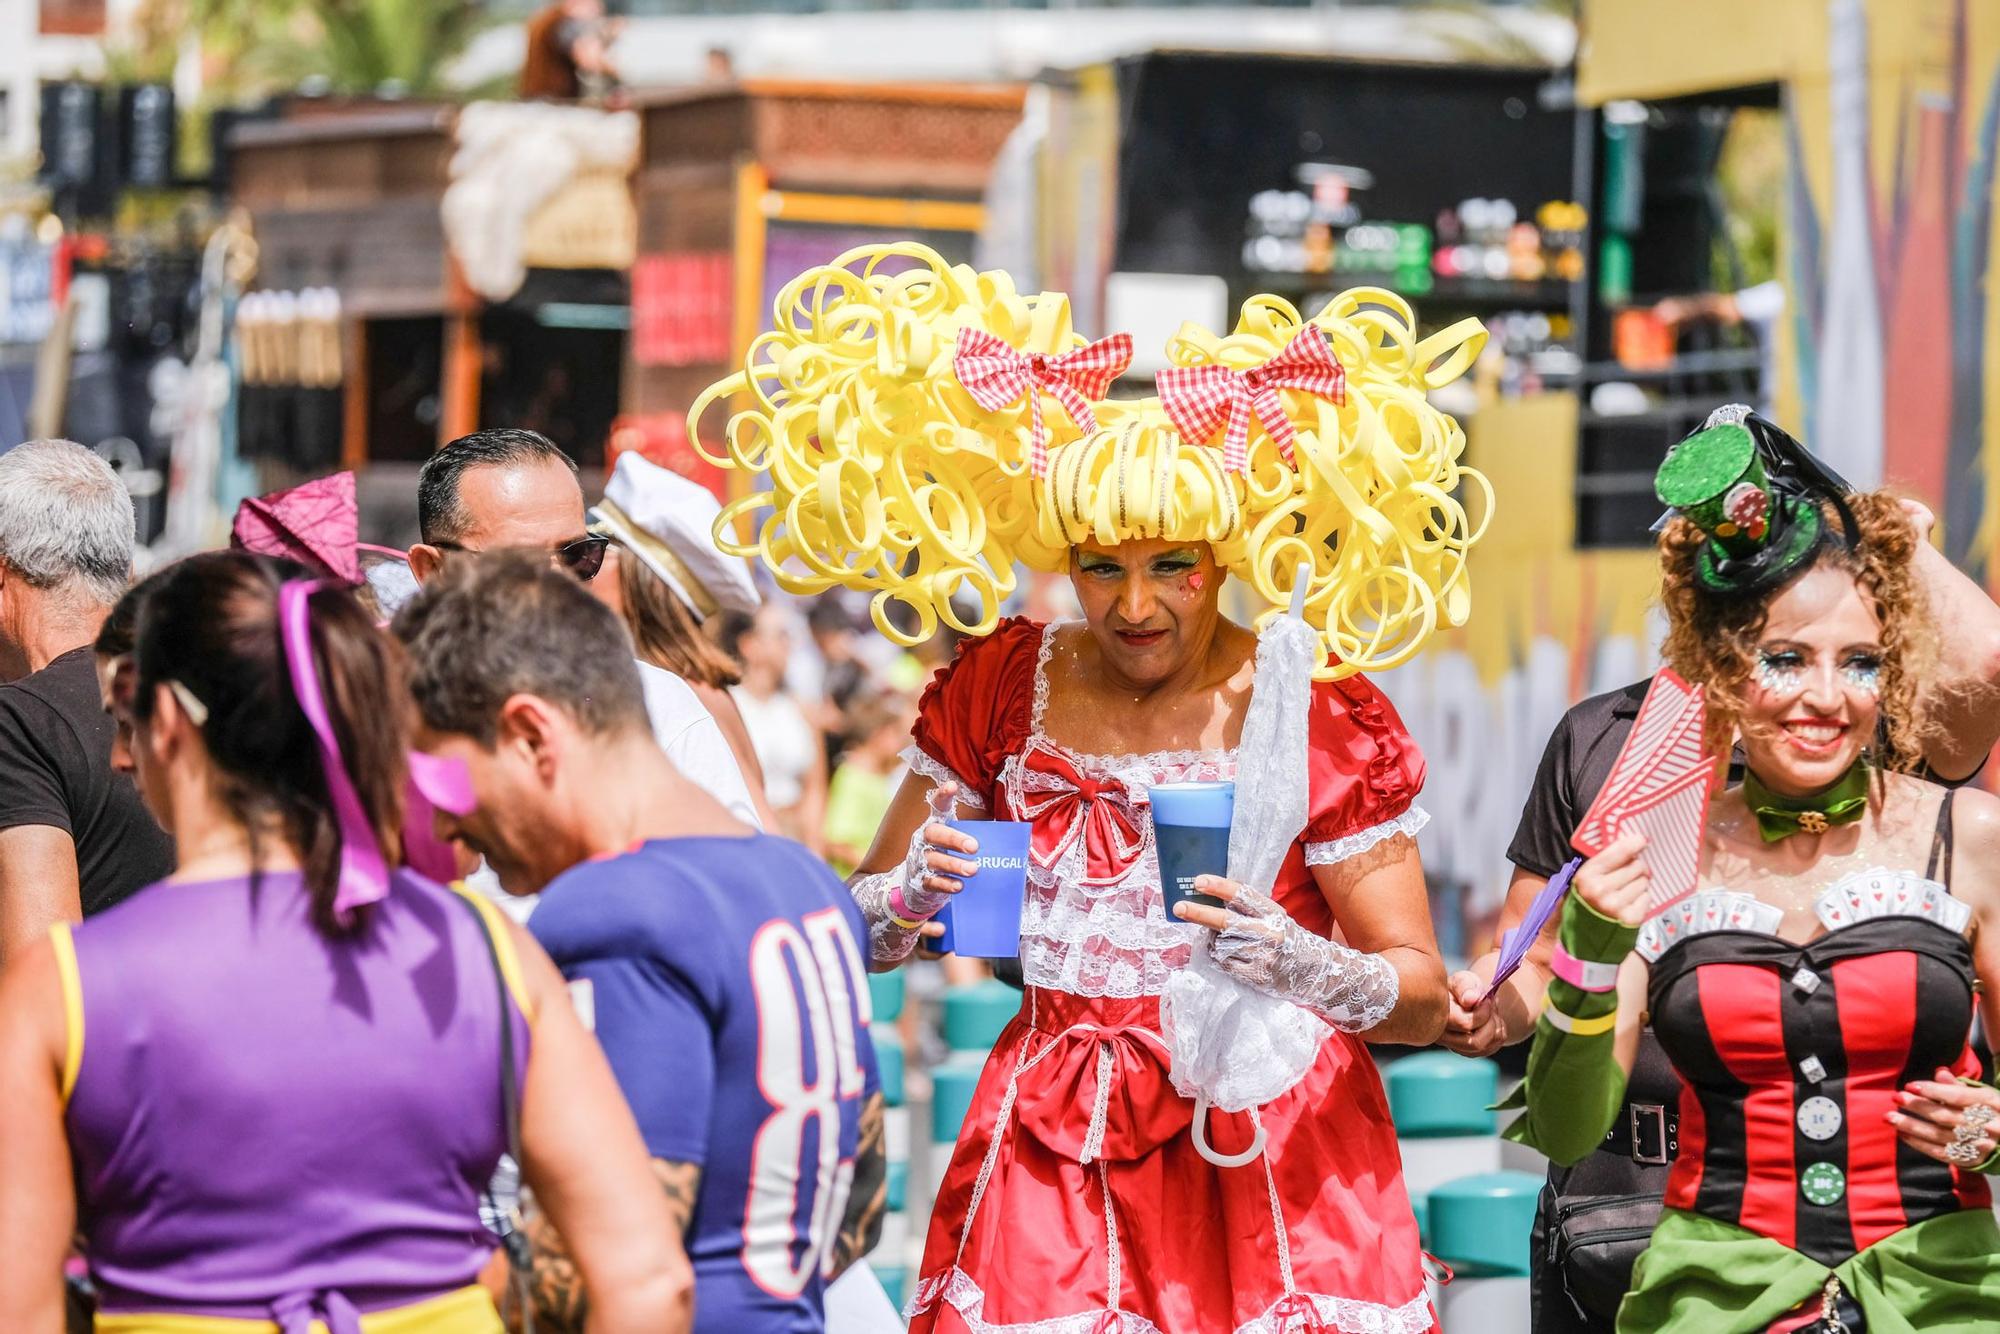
(957, 1289)
(1353, 845)
(920, 762)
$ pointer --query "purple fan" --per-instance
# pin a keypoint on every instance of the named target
(1514, 946)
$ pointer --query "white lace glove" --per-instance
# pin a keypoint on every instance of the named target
(1261, 946)
(899, 904)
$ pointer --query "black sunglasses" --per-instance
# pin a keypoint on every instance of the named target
(582, 558)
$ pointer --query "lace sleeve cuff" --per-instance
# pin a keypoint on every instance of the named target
(1353, 845)
(937, 772)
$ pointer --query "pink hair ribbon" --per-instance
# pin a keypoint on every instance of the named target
(997, 375)
(1201, 399)
(364, 874)
(434, 785)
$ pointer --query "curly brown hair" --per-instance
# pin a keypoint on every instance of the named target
(1712, 637)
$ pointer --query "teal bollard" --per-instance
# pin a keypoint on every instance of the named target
(952, 1085)
(1443, 1130)
(889, 1062)
(1479, 1225)
(897, 1187)
(1437, 1093)
(885, 995)
(974, 1015)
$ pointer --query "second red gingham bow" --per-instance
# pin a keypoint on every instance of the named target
(997, 375)
(1202, 398)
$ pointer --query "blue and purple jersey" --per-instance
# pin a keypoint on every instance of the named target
(729, 992)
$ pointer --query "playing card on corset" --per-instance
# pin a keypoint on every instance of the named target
(1954, 913)
(1904, 895)
(1854, 893)
(1833, 911)
(1714, 910)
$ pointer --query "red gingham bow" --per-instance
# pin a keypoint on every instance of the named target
(996, 375)
(1202, 398)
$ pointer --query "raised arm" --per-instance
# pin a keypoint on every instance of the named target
(1964, 701)
(910, 870)
(1386, 983)
(1588, 1034)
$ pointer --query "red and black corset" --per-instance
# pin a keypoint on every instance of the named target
(1792, 1055)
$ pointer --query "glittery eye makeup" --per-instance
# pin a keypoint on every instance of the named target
(1781, 672)
(1862, 672)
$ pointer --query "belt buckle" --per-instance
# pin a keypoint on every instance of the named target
(1638, 1112)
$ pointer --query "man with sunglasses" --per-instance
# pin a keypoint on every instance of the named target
(515, 490)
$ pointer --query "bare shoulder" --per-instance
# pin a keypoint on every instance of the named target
(1975, 847)
(1975, 822)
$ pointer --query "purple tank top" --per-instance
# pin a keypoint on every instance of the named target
(264, 1116)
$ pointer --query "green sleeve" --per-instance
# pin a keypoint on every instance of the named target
(1574, 1087)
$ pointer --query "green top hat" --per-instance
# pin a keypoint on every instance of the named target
(1759, 534)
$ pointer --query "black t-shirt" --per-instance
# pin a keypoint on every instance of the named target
(1578, 759)
(55, 770)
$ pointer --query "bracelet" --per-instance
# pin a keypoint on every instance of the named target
(1582, 973)
(897, 908)
(1579, 1028)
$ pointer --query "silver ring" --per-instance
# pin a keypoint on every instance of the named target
(1977, 1116)
(1965, 1152)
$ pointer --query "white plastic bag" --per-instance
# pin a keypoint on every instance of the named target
(1232, 1046)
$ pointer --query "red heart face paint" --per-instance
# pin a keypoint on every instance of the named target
(1195, 581)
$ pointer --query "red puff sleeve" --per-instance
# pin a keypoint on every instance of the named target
(978, 711)
(1363, 767)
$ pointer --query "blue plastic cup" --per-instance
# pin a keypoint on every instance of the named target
(1191, 833)
(983, 920)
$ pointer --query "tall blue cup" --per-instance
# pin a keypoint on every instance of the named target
(1191, 832)
(983, 920)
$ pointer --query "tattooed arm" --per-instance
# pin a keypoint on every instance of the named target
(682, 1182)
(862, 1227)
(603, 1225)
(560, 1304)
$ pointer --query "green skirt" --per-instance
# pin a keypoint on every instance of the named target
(1702, 1276)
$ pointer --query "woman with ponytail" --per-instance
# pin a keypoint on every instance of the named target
(268, 1090)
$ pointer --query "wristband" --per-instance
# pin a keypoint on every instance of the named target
(907, 926)
(899, 910)
(1583, 974)
(1579, 1028)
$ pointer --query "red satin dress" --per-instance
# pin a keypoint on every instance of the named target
(1075, 1202)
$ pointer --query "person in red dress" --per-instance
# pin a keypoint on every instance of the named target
(1079, 1196)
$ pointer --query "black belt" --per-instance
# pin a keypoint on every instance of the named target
(1646, 1132)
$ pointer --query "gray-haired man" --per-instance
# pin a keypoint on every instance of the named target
(74, 836)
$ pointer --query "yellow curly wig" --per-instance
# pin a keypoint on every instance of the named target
(886, 475)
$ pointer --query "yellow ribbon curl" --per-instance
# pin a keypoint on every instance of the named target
(886, 476)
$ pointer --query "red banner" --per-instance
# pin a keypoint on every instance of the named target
(662, 438)
(681, 309)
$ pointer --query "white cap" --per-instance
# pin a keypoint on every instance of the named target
(667, 521)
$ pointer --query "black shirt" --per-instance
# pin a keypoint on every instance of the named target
(55, 770)
(1578, 759)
